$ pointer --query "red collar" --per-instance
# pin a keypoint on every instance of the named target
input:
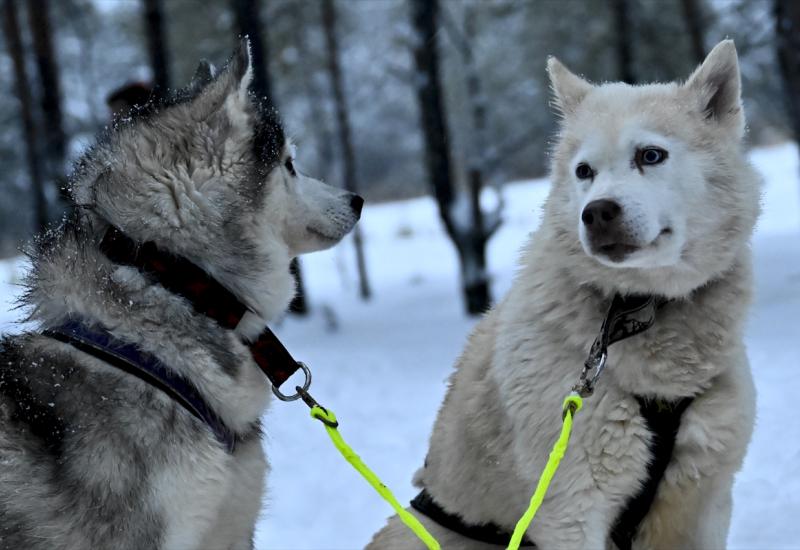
(207, 296)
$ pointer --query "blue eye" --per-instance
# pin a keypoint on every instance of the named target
(650, 156)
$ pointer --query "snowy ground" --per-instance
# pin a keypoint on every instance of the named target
(381, 366)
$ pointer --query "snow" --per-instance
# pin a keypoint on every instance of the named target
(382, 366)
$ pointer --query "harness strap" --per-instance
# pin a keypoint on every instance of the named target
(489, 533)
(663, 420)
(99, 343)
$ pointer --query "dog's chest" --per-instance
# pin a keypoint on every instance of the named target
(208, 498)
(617, 441)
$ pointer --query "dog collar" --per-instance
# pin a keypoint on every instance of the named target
(207, 296)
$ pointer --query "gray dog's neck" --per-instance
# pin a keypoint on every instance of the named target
(72, 279)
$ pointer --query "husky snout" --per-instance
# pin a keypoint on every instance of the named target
(607, 235)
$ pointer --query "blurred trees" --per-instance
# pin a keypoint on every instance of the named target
(349, 174)
(22, 86)
(157, 45)
(498, 132)
(694, 15)
(461, 213)
(54, 142)
(623, 40)
(787, 30)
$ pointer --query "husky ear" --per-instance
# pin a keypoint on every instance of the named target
(238, 72)
(568, 88)
(716, 85)
(203, 76)
(229, 88)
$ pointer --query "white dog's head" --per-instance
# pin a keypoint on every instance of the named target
(210, 175)
(651, 181)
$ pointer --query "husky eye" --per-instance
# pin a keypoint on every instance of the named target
(290, 166)
(650, 156)
(584, 172)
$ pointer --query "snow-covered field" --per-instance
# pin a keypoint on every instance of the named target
(382, 366)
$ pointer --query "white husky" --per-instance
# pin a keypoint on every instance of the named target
(652, 195)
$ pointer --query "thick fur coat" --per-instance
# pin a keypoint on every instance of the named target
(91, 457)
(688, 212)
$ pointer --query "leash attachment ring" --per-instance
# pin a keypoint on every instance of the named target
(300, 391)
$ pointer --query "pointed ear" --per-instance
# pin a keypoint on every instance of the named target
(715, 87)
(229, 88)
(237, 74)
(568, 88)
(203, 76)
(204, 73)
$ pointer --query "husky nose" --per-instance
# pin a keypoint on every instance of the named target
(600, 215)
(356, 203)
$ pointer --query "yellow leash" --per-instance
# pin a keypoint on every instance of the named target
(328, 419)
(572, 404)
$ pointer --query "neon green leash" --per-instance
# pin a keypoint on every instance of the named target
(328, 419)
(572, 404)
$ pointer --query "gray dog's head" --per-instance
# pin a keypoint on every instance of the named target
(210, 175)
(652, 190)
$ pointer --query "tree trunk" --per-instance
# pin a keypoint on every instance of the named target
(469, 240)
(55, 148)
(349, 175)
(23, 92)
(157, 45)
(693, 15)
(787, 23)
(623, 45)
(247, 14)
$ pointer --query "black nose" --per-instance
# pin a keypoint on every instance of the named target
(599, 215)
(357, 203)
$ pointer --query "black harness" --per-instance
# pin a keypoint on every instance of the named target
(207, 297)
(626, 317)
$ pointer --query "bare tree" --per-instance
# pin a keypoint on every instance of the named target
(54, 151)
(349, 173)
(157, 44)
(461, 215)
(248, 22)
(624, 43)
(23, 92)
(787, 21)
(695, 23)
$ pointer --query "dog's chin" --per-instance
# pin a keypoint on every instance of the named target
(321, 239)
(663, 251)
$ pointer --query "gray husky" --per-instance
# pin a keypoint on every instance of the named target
(92, 456)
(652, 195)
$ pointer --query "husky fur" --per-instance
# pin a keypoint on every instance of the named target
(91, 457)
(686, 223)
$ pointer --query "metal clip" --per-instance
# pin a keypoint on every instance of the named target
(299, 394)
(596, 363)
